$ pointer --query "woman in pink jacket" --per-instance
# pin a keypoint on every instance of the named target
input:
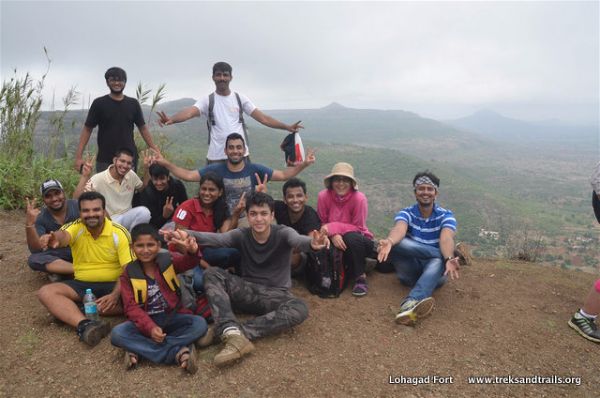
(343, 213)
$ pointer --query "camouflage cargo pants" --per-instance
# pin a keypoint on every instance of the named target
(277, 308)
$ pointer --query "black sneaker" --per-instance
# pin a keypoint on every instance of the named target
(93, 332)
(586, 327)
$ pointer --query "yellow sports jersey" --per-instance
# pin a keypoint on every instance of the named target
(101, 259)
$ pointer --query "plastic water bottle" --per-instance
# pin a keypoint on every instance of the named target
(89, 305)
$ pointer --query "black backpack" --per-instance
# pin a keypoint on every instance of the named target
(326, 273)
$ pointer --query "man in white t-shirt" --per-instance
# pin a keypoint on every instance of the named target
(226, 116)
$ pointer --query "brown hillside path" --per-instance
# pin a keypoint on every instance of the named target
(501, 318)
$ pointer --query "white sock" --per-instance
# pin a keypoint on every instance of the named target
(231, 330)
(583, 313)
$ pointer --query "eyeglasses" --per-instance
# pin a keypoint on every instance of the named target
(116, 79)
(342, 179)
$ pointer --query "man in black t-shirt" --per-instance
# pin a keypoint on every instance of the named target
(294, 212)
(162, 195)
(114, 114)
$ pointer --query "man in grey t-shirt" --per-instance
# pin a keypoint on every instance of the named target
(263, 288)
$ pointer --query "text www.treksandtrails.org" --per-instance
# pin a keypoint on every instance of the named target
(508, 379)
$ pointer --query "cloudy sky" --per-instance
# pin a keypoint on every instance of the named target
(534, 60)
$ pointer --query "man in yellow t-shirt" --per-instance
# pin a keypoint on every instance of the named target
(101, 249)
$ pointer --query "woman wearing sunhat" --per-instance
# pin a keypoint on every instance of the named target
(343, 213)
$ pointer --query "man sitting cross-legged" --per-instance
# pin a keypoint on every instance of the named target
(422, 248)
(118, 184)
(100, 249)
(263, 288)
(159, 329)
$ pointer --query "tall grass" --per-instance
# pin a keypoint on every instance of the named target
(22, 167)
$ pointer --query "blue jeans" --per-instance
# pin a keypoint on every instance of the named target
(222, 257)
(181, 330)
(419, 266)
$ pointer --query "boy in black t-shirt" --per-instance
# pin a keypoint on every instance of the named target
(114, 114)
(294, 212)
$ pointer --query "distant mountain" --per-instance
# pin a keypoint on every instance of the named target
(496, 126)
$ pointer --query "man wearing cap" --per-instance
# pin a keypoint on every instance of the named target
(58, 263)
(114, 114)
(224, 111)
(421, 248)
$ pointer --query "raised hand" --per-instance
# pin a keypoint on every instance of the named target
(148, 156)
(168, 207)
(158, 158)
(241, 204)
(88, 165)
(319, 241)
(163, 119)
(262, 184)
(32, 212)
(310, 157)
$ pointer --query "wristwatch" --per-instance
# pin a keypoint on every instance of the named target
(448, 259)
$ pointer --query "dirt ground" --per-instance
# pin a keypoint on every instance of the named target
(499, 319)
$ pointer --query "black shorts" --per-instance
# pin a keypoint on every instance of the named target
(98, 288)
(37, 261)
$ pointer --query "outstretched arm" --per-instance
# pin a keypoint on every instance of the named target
(289, 172)
(395, 236)
(179, 172)
(447, 249)
(181, 116)
(274, 123)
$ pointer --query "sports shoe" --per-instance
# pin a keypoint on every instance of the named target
(360, 287)
(208, 339)
(93, 332)
(463, 252)
(585, 326)
(236, 347)
(412, 310)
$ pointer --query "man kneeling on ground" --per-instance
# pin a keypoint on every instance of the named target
(422, 249)
(100, 249)
(159, 329)
(263, 288)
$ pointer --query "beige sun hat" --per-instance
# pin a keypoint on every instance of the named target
(341, 169)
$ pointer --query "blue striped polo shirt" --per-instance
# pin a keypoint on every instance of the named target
(426, 230)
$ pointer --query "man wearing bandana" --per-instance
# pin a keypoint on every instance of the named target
(421, 248)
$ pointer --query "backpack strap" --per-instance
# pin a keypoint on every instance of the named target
(241, 119)
(210, 118)
(138, 281)
(167, 270)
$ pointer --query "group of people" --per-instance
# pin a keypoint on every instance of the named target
(127, 237)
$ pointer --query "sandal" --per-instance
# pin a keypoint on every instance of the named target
(130, 360)
(186, 358)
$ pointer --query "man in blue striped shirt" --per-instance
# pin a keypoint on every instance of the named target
(421, 248)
